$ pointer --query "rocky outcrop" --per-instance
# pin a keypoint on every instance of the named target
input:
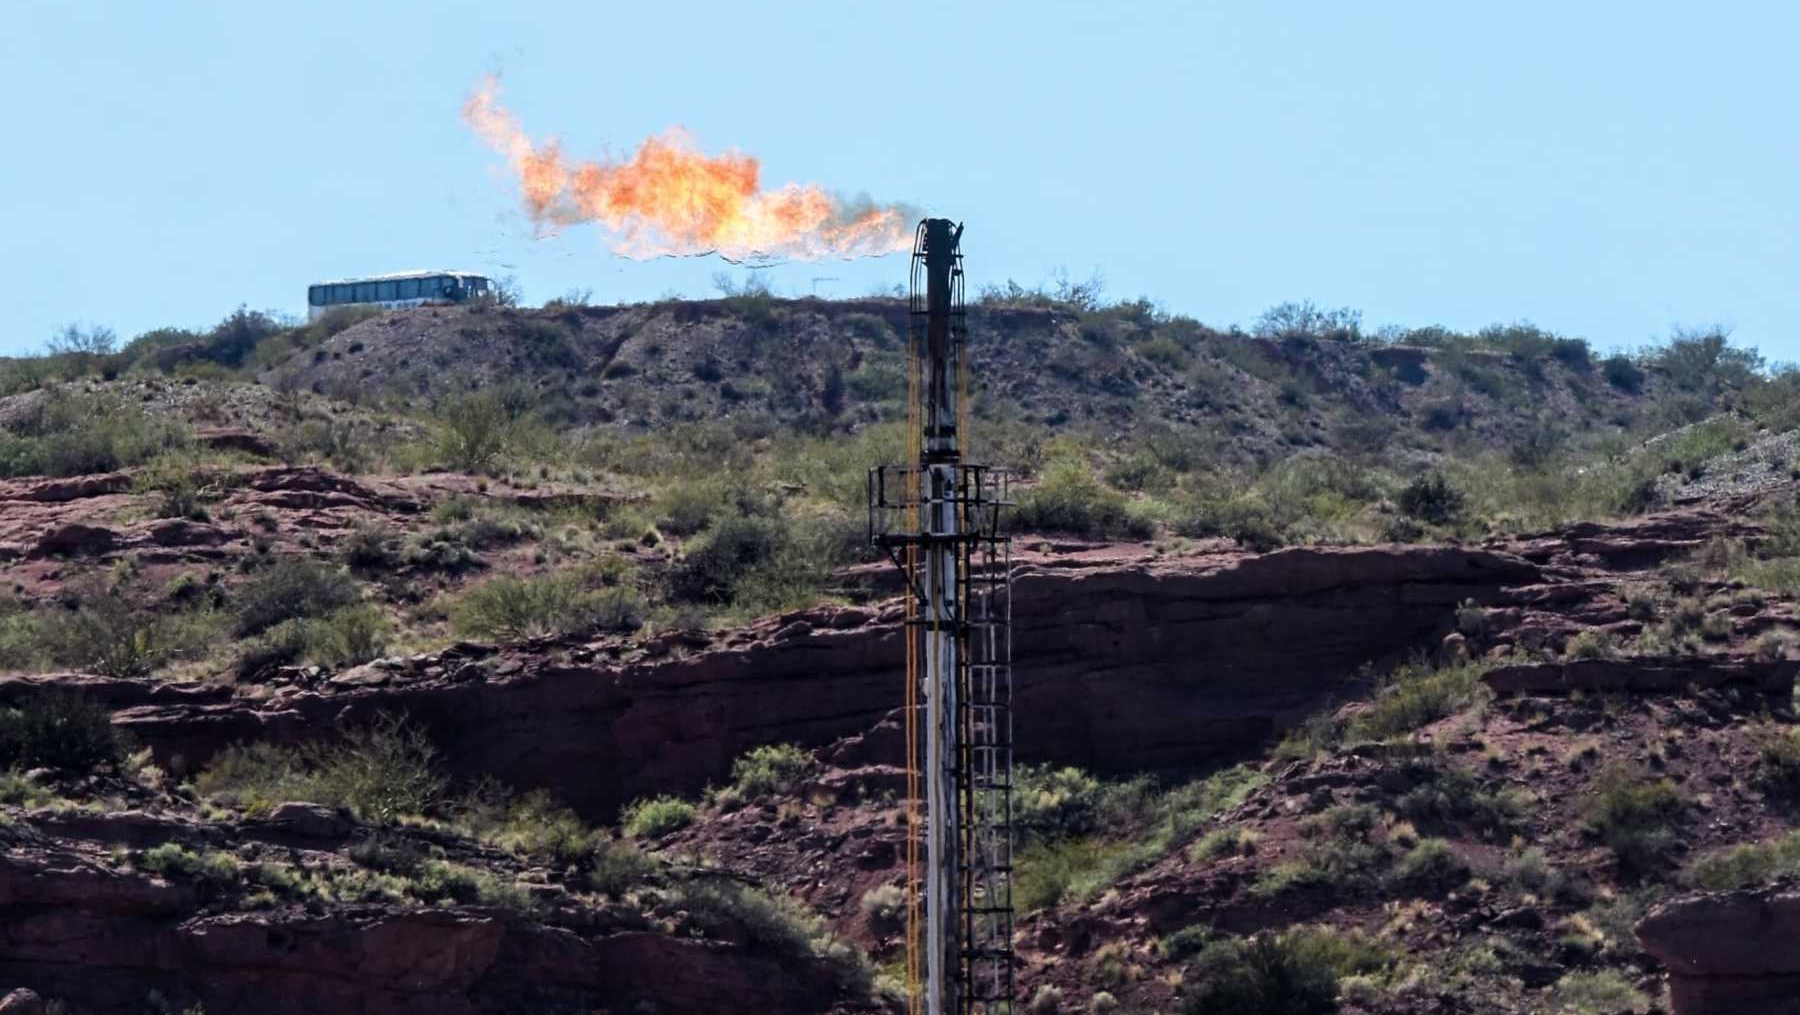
(1118, 668)
(1729, 953)
(72, 929)
(1644, 675)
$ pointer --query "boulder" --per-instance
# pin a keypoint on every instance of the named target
(75, 539)
(311, 821)
(1729, 953)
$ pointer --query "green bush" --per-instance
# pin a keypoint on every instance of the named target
(1779, 772)
(344, 637)
(533, 824)
(1748, 865)
(1416, 694)
(617, 867)
(1432, 866)
(210, 867)
(476, 429)
(1070, 498)
(104, 634)
(1431, 499)
(655, 817)
(1443, 798)
(724, 909)
(1292, 973)
(508, 608)
(1622, 372)
(370, 547)
(1078, 834)
(1636, 818)
(1602, 992)
(69, 434)
(58, 730)
(291, 588)
(774, 769)
(1339, 855)
(382, 772)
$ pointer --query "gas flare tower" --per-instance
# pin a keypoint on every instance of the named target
(938, 518)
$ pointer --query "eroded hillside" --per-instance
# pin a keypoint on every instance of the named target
(486, 659)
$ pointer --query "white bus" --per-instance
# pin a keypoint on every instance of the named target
(400, 289)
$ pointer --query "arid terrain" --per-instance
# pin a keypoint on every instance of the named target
(483, 659)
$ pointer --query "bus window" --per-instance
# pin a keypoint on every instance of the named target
(387, 292)
(365, 292)
(340, 294)
(431, 288)
(315, 298)
(409, 289)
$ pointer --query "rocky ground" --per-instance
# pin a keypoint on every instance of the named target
(1458, 845)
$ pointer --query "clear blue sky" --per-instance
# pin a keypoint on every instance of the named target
(1609, 170)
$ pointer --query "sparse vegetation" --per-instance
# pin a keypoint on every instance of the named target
(59, 730)
(1292, 973)
(1636, 818)
(655, 817)
(382, 772)
(512, 609)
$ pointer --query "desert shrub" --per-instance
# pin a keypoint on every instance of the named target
(288, 589)
(1054, 803)
(655, 817)
(1636, 818)
(69, 434)
(476, 429)
(442, 880)
(761, 563)
(1449, 797)
(1703, 361)
(1339, 855)
(104, 634)
(1748, 865)
(617, 867)
(1530, 870)
(1079, 834)
(1592, 643)
(174, 488)
(210, 867)
(1246, 518)
(1292, 973)
(1415, 694)
(1602, 992)
(344, 637)
(736, 547)
(1431, 865)
(1070, 498)
(382, 772)
(1779, 771)
(1304, 320)
(533, 824)
(885, 906)
(58, 730)
(370, 547)
(771, 769)
(1046, 1000)
(725, 909)
(1047, 873)
(512, 609)
(1431, 499)
(1622, 372)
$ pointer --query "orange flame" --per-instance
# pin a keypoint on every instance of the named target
(668, 199)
